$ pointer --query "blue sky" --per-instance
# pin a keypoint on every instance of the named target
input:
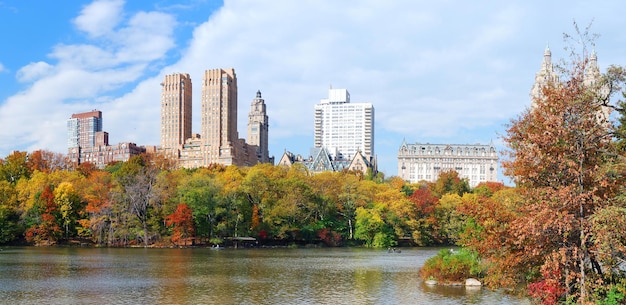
(435, 71)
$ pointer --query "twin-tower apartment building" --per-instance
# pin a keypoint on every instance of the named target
(218, 140)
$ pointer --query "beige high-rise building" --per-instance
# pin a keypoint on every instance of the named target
(219, 116)
(175, 113)
(258, 128)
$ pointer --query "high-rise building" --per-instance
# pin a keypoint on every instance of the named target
(82, 128)
(344, 128)
(88, 143)
(424, 162)
(258, 128)
(175, 112)
(219, 116)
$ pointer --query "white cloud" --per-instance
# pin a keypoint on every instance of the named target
(80, 75)
(100, 17)
(147, 37)
(33, 71)
(2, 68)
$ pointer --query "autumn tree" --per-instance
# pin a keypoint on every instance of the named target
(561, 157)
(449, 182)
(14, 167)
(423, 221)
(137, 192)
(10, 227)
(45, 228)
(487, 231)
(47, 161)
(488, 188)
(69, 206)
(372, 229)
(96, 192)
(182, 222)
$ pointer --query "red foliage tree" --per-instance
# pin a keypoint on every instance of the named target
(47, 230)
(182, 222)
(425, 201)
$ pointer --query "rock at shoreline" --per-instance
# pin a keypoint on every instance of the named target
(431, 282)
(473, 282)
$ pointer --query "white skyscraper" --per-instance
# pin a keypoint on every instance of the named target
(344, 128)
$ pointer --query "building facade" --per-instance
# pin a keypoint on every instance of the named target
(344, 128)
(88, 143)
(424, 162)
(175, 113)
(219, 116)
(83, 127)
(258, 126)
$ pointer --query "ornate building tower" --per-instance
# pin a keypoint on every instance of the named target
(219, 116)
(545, 76)
(175, 113)
(258, 128)
(591, 78)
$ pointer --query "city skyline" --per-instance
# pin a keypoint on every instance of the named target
(430, 79)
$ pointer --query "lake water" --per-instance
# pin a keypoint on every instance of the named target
(35, 275)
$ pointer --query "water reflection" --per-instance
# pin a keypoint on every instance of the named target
(229, 276)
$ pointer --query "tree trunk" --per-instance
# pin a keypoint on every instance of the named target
(350, 227)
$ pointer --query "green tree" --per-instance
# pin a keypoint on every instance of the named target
(202, 194)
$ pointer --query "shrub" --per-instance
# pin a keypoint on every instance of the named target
(450, 266)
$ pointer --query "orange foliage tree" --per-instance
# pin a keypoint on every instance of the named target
(561, 157)
(182, 222)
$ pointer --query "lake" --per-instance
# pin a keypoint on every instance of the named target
(55, 275)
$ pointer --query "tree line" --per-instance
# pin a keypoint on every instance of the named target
(146, 201)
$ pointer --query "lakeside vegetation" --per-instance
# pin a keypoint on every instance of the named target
(146, 201)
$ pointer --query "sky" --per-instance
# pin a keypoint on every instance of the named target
(439, 72)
